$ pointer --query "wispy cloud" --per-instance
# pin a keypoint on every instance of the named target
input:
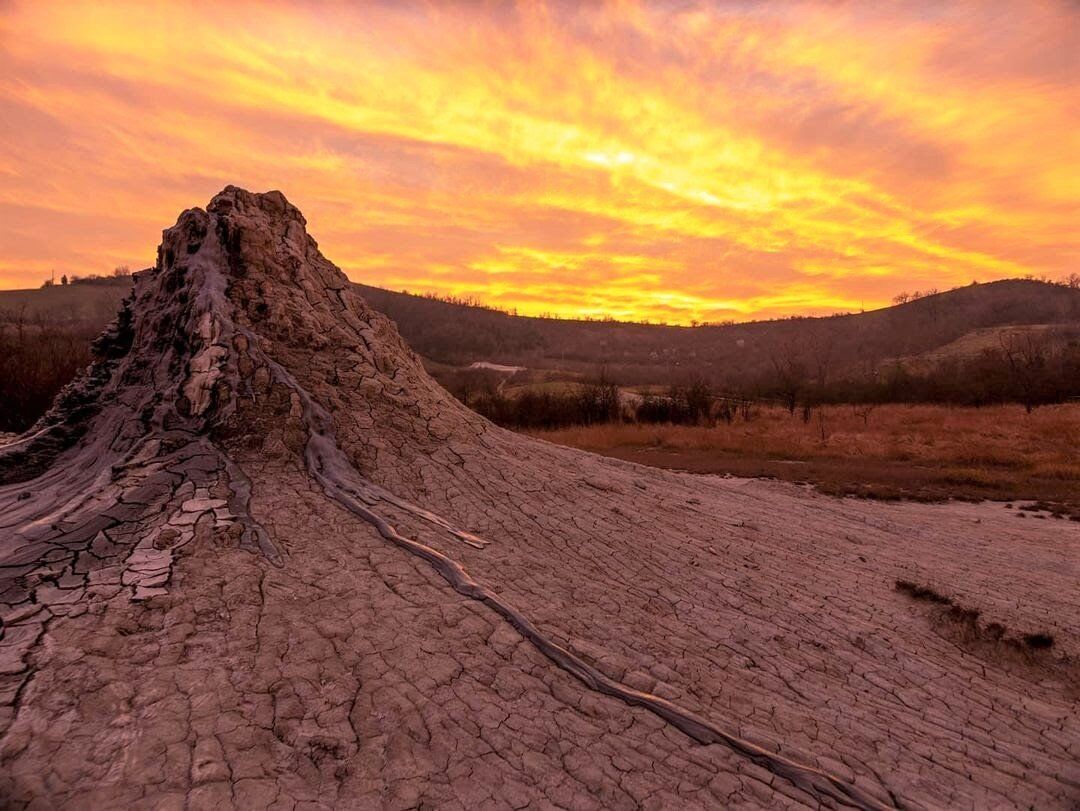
(661, 160)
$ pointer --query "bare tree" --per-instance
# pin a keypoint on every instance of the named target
(1027, 355)
(819, 347)
(863, 410)
(823, 427)
(789, 371)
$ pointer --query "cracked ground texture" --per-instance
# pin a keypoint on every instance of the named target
(256, 558)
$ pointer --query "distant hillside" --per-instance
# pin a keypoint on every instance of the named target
(95, 301)
(989, 339)
(636, 354)
(925, 331)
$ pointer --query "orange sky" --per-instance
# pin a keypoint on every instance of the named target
(670, 161)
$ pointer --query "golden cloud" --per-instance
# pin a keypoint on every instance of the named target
(639, 160)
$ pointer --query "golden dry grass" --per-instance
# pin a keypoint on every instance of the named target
(906, 451)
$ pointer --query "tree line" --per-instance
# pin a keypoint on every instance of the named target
(1030, 368)
(122, 272)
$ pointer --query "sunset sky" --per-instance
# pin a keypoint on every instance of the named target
(670, 161)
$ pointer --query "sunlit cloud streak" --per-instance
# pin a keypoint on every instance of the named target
(674, 161)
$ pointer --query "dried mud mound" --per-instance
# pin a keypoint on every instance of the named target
(256, 557)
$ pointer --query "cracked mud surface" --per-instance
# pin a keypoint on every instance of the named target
(204, 603)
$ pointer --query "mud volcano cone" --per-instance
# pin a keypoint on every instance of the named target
(256, 557)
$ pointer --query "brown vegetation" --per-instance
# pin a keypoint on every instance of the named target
(893, 451)
(45, 340)
(37, 358)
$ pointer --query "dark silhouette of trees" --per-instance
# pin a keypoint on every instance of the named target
(599, 401)
(689, 404)
(1027, 358)
(37, 358)
(789, 372)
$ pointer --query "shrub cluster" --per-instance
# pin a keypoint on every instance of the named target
(595, 403)
(691, 404)
(1030, 373)
(1026, 374)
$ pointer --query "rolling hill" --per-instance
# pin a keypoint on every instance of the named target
(637, 354)
(452, 335)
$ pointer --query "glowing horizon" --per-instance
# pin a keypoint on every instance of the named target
(678, 162)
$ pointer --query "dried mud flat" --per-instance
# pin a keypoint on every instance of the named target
(256, 558)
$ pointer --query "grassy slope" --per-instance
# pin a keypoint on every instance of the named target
(92, 303)
(989, 338)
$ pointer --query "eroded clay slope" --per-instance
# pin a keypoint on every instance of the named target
(255, 557)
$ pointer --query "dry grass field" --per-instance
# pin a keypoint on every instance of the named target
(895, 451)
